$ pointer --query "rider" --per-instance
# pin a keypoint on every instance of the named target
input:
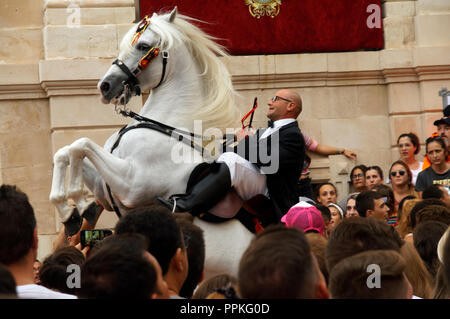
(268, 162)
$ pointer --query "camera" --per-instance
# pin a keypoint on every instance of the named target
(89, 237)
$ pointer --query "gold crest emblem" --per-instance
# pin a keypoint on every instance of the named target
(260, 8)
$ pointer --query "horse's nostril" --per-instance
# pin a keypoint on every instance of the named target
(104, 87)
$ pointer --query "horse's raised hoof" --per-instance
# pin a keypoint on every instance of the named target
(73, 224)
(91, 213)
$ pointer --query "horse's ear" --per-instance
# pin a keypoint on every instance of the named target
(173, 14)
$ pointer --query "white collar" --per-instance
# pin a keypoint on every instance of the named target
(282, 122)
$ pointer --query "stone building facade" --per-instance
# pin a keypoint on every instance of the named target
(53, 53)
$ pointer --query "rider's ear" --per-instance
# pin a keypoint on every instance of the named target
(173, 14)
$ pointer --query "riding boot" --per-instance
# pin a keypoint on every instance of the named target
(203, 195)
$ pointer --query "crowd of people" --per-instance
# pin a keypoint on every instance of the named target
(387, 239)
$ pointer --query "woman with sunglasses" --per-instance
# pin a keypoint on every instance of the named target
(400, 177)
(438, 172)
(408, 146)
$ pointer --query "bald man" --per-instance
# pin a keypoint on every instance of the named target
(268, 162)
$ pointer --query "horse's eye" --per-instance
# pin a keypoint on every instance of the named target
(143, 47)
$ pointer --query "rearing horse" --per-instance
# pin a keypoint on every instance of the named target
(179, 63)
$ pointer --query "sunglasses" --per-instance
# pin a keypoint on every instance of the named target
(401, 173)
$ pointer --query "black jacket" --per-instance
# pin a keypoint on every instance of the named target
(280, 161)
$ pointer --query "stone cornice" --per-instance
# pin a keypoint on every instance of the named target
(80, 77)
(89, 3)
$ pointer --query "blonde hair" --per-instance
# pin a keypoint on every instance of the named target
(416, 271)
(404, 225)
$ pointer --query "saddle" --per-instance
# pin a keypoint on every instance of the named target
(255, 213)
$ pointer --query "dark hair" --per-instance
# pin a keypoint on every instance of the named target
(378, 169)
(54, 271)
(195, 246)
(355, 235)
(365, 201)
(426, 237)
(386, 191)
(270, 270)
(317, 244)
(349, 278)
(119, 270)
(437, 139)
(436, 213)
(420, 205)
(17, 224)
(406, 167)
(159, 226)
(433, 191)
(324, 210)
(414, 140)
(361, 167)
(7, 283)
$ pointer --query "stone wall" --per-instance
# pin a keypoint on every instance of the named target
(55, 51)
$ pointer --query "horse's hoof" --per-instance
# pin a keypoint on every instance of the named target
(73, 224)
(91, 213)
(167, 203)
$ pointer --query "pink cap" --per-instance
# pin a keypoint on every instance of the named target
(304, 216)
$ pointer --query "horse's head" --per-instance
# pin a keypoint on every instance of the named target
(141, 63)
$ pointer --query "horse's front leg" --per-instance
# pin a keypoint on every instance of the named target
(116, 172)
(58, 193)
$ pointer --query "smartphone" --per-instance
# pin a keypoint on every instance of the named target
(89, 237)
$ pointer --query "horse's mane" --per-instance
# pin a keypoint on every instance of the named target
(218, 107)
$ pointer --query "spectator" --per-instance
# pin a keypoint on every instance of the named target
(355, 235)
(36, 267)
(305, 217)
(402, 203)
(442, 287)
(441, 290)
(211, 285)
(7, 284)
(326, 194)
(326, 216)
(350, 207)
(195, 246)
(337, 214)
(349, 279)
(404, 225)
(401, 180)
(318, 243)
(386, 192)
(438, 192)
(421, 205)
(408, 147)
(372, 204)
(54, 271)
(417, 272)
(438, 213)
(358, 178)
(278, 264)
(122, 269)
(159, 226)
(438, 172)
(426, 238)
(374, 176)
(19, 243)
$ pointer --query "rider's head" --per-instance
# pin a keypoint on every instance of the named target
(285, 104)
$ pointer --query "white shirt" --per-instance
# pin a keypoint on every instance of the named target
(34, 291)
(276, 127)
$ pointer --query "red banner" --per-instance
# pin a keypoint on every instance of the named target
(283, 26)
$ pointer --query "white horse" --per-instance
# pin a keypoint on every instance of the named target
(193, 85)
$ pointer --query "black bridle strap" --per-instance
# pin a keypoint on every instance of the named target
(165, 56)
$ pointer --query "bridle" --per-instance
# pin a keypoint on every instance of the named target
(132, 81)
